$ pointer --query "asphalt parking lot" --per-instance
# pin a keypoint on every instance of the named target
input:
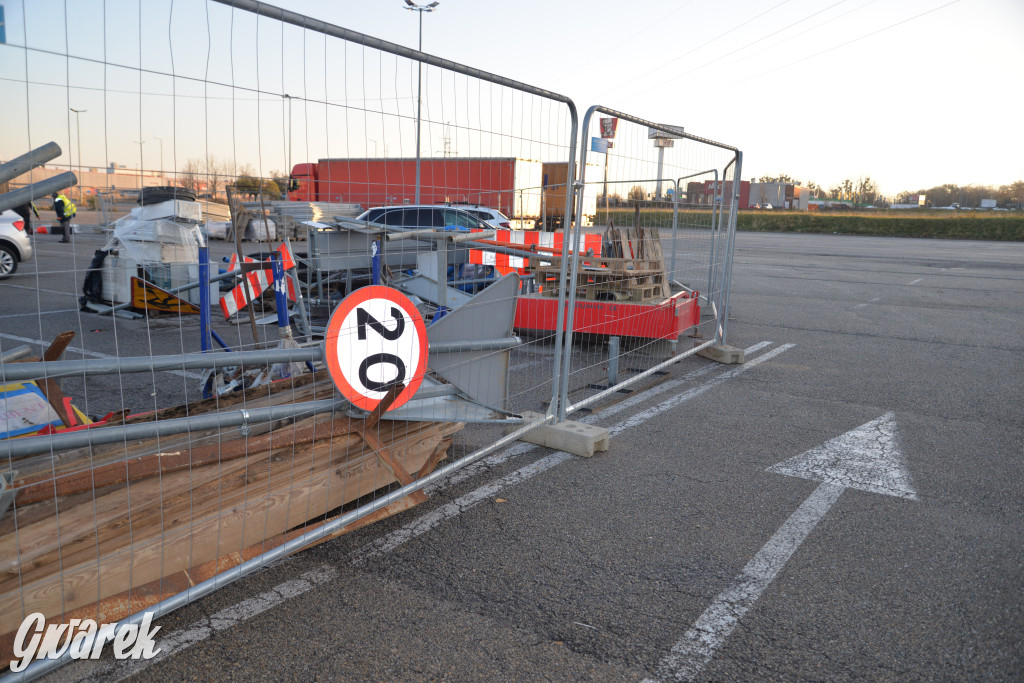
(677, 554)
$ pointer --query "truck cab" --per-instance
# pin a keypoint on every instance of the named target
(302, 184)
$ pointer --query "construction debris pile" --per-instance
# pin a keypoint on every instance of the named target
(631, 267)
(104, 532)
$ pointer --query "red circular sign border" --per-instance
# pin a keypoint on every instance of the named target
(334, 331)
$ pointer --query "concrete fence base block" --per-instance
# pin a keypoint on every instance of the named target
(721, 353)
(572, 437)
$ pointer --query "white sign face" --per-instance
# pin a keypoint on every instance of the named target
(375, 339)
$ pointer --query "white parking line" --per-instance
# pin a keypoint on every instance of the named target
(48, 291)
(221, 621)
(247, 609)
(915, 281)
(877, 298)
(35, 314)
(522, 447)
(695, 649)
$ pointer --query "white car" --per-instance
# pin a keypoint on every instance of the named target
(423, 216)
(15, 245)
(492, 217)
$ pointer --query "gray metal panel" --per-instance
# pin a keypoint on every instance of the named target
(343, 249)
(426, 289)
(444, 408)
(480, 375)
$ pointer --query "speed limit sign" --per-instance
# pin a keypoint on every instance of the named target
(376, 338)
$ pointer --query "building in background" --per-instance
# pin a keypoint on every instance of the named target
(114, 179)
(703, 193)
(779, 196)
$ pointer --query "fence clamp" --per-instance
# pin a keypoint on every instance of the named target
(244, 428)
(577, 184)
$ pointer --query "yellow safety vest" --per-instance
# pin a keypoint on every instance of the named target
(69, 207)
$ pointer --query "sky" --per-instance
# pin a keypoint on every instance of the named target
(913, 93)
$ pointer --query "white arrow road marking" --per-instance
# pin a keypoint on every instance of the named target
(867, 458)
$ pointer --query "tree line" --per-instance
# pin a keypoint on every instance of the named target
(1009, 196)
(214, 176)
(864, 191)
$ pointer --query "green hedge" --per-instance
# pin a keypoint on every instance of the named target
(946, 225)
(974, 225)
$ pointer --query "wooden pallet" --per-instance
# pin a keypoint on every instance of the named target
(630, 268)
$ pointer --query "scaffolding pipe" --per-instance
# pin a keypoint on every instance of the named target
(26, 162)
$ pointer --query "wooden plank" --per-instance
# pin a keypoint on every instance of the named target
(234, 485)
(42, 486)
(83, 459)
(214, 486)
(204, 539)
(51, 388)
(58, 346)
(117, 607)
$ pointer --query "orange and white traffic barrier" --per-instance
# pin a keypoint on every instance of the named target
(505, 264)
(254, 283)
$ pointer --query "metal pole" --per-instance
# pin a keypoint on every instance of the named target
(607, 215)
(78, 127)
(613, 361)
(661, 164)
(161, 140)
(142, 166)
(26, 162)
(731, 245)
(719, 279)
(419, 109)
(38, 189)
(289, 98)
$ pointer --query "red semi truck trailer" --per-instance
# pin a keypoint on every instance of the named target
(509, 185)
(525, 190)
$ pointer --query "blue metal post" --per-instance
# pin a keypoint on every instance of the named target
(280, 294)
(204, 299)
(375, 262)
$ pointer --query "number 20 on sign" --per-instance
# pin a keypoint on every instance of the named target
(376, 338)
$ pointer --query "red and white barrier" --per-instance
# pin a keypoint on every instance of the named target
(254, 283)
(505, 263)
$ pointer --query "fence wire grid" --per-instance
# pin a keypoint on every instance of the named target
(310, 273)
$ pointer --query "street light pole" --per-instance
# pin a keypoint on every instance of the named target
(78, 127)
(142, 169)
(289, 98)
(412, 6)
(161, 155)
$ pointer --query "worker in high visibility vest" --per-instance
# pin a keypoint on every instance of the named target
(65, 210)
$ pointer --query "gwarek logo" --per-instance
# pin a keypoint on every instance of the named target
(82, 639)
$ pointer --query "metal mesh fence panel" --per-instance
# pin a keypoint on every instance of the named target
(648, 282)
(186, 397)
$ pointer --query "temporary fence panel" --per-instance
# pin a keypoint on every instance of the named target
(185, 395)
(658, 291)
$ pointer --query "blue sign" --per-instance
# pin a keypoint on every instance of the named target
(3, 26)
(599, 145)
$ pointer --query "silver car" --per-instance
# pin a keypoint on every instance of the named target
(15, 245)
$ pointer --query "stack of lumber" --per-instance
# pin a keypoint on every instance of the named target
(105, 532)
(630, 268)
(215, 211)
